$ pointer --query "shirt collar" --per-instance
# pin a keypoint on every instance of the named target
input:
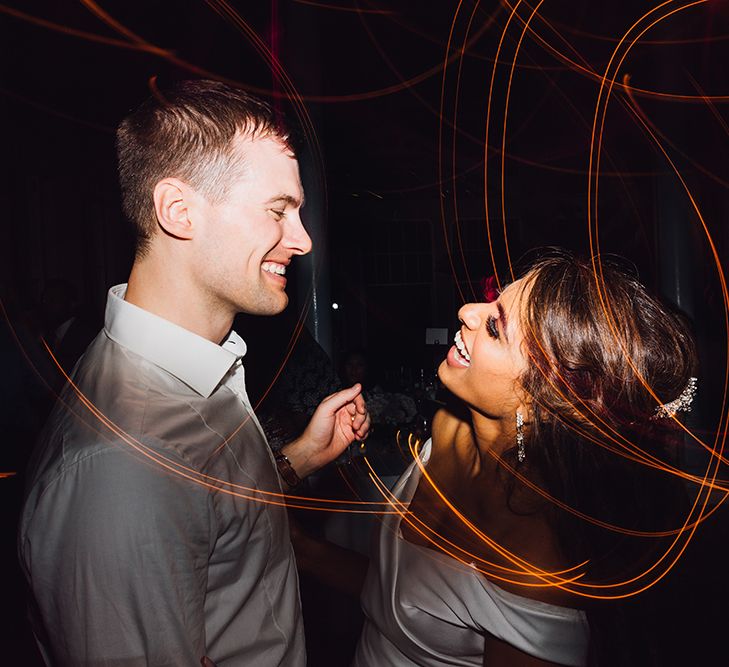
(196, 361)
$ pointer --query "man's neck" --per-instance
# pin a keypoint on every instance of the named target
(172, 296)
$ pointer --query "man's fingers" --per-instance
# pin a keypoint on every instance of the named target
(342, 398)
(359, 404)
(363, 429)
(358, 420)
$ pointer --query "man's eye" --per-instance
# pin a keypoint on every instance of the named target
(278, 214)
(491, 327)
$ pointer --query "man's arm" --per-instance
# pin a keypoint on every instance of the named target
(117, 552)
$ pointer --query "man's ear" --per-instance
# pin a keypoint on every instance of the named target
(171, 205)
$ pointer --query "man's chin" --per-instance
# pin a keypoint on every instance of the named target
(281, 306)
(272, 307)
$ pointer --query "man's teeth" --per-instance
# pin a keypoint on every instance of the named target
(462, 354)
(279, 269)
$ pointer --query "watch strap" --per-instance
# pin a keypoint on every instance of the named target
(286, 470)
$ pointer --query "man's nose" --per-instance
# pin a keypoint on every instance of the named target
(297, 239)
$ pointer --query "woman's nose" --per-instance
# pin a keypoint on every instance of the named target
(472, 314)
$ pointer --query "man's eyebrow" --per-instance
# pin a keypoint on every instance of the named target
(287, 199)
(503, 320)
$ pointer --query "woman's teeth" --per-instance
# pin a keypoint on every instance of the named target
(462, 355)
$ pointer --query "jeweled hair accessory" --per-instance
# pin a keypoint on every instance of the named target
(681, 404)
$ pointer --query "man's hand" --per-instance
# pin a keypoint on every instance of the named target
(339, 420)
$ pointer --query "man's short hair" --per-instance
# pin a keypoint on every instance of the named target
(186, 132)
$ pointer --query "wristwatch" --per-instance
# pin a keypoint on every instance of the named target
(285, 470)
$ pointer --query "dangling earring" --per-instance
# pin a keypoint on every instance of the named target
(520, 451)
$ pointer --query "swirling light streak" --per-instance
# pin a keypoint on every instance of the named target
(141, 45)
(611, 319)
(209, 481)
(707, 100)
(489, 104)
(621, 175)
(469, 50)
(454, 170)
(588, 73)
(623, 446)
(493, 150)
(725, 293)
(592, 210)
(640, 455)
(632, 105)
(455, 551)
(503, 137)
(506, 239)
(457, 56)
(145, 45)
(596, 143)
(625, 588)
(339, 8)
(441, 178)
(708, 482)
(452, 179)
(564, 27)
(83, 34)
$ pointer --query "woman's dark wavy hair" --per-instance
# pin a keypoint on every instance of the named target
(602, 355)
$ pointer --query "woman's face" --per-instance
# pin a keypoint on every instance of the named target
(486, 362)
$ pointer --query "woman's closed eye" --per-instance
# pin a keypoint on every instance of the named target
(491, 327)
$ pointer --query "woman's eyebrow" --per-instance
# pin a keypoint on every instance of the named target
(503, 320)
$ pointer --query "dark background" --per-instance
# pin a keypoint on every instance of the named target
(396, 180)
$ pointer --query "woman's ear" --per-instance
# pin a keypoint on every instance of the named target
(171, 207)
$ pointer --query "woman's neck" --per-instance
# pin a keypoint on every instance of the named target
(490, 438)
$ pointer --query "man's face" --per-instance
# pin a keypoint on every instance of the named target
(247, 241)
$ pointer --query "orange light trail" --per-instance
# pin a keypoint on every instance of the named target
(520, 570)
(708, 482)
(340, 8)
(601, 111)
(590, 74)
(209, 481)
(454, 551)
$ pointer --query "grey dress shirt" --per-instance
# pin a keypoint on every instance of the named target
(153, 532)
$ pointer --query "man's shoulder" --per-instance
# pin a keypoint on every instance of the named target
(123, 384)
(107, 363)
(115, 395)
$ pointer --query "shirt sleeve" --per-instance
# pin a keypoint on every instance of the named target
(117, 551)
